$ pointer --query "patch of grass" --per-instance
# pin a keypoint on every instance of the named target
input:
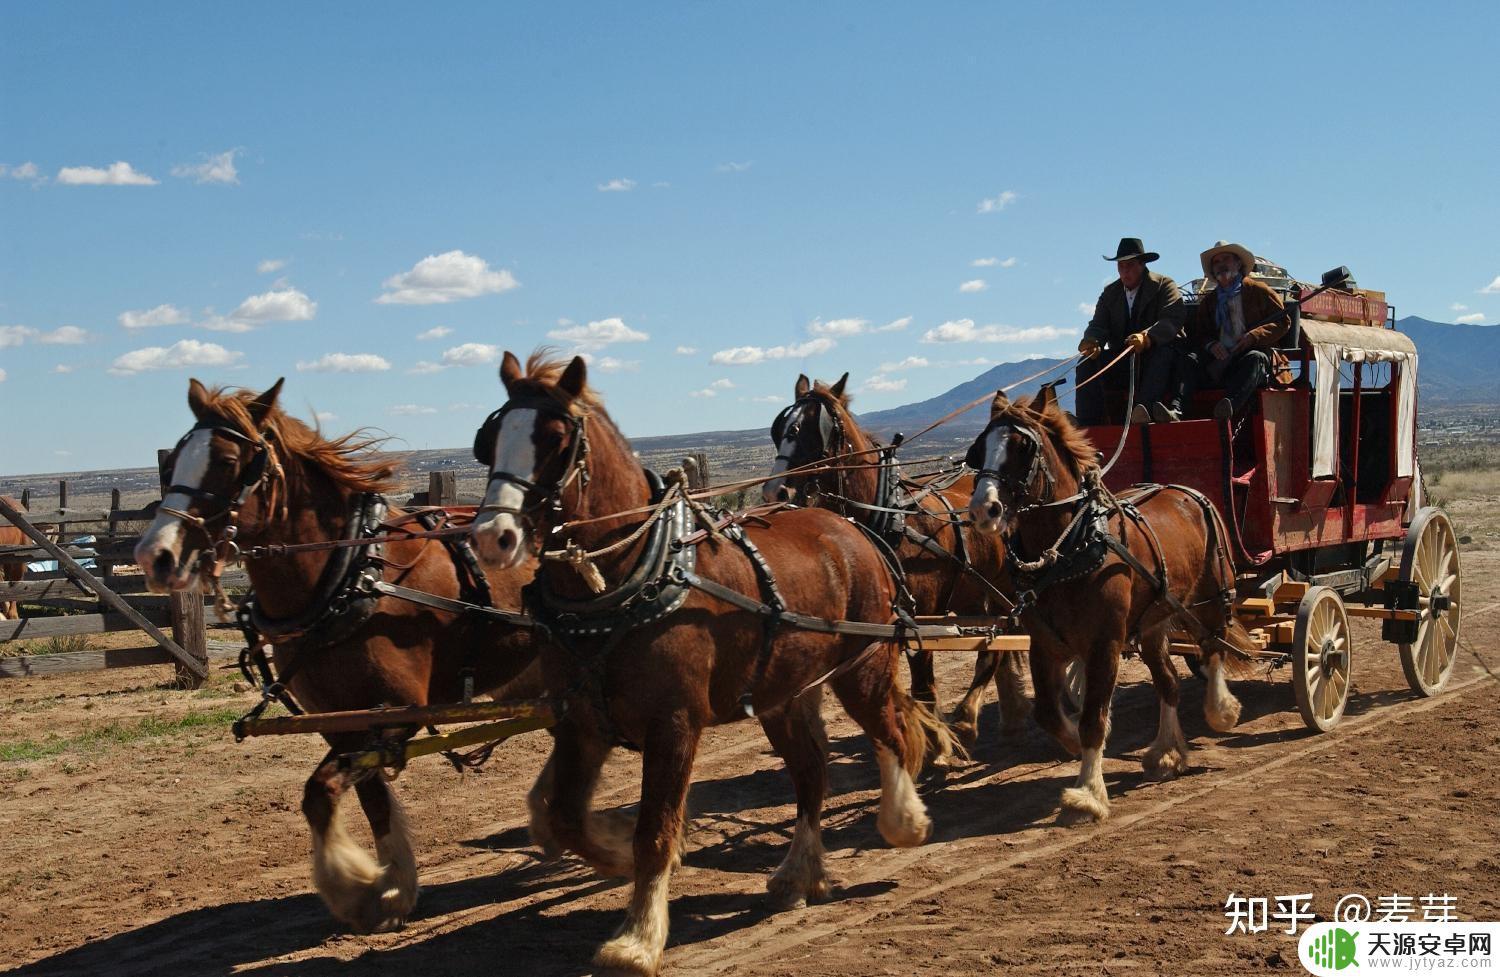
(55, 645)
(117, 734)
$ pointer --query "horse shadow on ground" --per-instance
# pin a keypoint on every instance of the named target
(552, 935)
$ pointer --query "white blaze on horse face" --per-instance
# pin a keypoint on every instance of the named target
(499, 535)
(984, 504)
(771, 491)
(166, 533)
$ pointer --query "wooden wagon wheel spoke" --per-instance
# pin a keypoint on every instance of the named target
(1321, 658)
(1430, 561)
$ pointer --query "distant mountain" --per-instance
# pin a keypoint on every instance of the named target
(1455, 364)
(911, 418)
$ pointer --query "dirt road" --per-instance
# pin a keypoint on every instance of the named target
(140, 839)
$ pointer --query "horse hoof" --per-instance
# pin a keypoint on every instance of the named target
(966, 730)
(1166, 765)
(787, 894)
(624, 956)
(1079, 806)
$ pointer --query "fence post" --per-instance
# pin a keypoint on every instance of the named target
(190, 631)
(442, 488)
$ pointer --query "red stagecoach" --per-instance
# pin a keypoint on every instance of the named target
(1319, 484)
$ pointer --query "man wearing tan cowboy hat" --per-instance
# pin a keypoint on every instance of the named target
(1141, 310)
(1231, 336)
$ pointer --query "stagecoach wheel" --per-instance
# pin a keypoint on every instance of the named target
(1430, 560)
(1320, 658)
(1072, 689)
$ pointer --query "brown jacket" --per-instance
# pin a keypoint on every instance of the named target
(1158, 310)
(1258, 300)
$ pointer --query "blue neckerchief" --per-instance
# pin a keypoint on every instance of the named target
(1221, 314)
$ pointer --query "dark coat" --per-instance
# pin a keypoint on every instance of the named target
(1158, 310)
(1258, 300)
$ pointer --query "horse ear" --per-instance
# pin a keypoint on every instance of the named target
(574, 378)
(1047, 398)
(838, 388)
(260, 407)
(803, 386)
(197, 398)
(510, 370)
(999, 404)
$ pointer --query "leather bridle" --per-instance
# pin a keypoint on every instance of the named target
(1020, 491)
(220, 507)
(788, 424)
(544, 496)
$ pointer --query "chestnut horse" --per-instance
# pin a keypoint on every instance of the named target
(1089, 600)
(654, 677)
(12, 570)
(948, 567)
(246, 460)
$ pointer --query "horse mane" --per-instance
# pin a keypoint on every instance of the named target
(844, 399)
(348, 461)
(1073, 442)
(544, 367)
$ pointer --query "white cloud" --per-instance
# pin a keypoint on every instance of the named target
(2, 374)
(750, 355)
(910, 363)
(15, 335)
(609, 364)
(1493, 288)
(734, 167)
(617, 185)
(768, 399)
(411, 410)
(837, 327)
(324, 416)
(216, 168)
(120, 174)
(183, 353)
(713, 389)
(446, 277)
(895, 325)
(63, 336)
(471, 354)
(278, 305)
(455, 408)
(598, 334)
(436, 332)
(1008, 263)
(883, 384)
(964, 331)
(26, 171)
(993, 205)
(976, 361)
(424, 367)
(270, 266)
(686, 350)
(1459, 307)
(1086, 308)
(162, 315)
(345, 363)
(993, 263)
(1472, 319)
(974, 285)
(62, 368)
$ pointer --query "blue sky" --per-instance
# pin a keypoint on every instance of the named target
(310, 189)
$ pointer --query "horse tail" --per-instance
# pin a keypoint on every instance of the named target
(927, 738)
(1239, 649)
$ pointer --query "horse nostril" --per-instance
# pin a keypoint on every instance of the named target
(164, 565)
(783, 494)
(507, 540)
(994, 510)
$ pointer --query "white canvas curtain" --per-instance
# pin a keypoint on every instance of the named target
(1334, 343)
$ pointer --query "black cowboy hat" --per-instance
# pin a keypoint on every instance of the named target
(1131, 247)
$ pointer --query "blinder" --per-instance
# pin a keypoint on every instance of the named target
(1019, 489)
(484, 452)
(250, 475)
(789, 423)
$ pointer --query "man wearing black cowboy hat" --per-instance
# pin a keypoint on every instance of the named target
(1141, 310)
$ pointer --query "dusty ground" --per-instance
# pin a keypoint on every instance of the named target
(140, 839)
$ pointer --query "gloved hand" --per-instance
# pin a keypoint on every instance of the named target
(1138, 341)
(1089, 348)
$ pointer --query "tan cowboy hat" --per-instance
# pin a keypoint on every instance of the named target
(1247, 260)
